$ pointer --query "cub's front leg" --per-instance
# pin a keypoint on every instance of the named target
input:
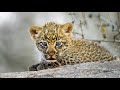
(33, 67)
(44, 65)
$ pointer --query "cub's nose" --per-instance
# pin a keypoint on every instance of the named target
(51, 53)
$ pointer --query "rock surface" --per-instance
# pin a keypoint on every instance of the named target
(106, 69)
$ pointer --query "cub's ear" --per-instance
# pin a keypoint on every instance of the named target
(67, 28)
(34, 31)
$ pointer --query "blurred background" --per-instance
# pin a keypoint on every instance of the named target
(17, 50)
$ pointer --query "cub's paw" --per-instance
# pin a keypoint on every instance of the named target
(46, 65)
(42, 65)
(33, 67)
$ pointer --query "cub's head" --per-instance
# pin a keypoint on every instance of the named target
(52, 39)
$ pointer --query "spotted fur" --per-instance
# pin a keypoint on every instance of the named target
(69, 52)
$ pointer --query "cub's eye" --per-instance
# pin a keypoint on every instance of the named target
(58, 43)
(44, 44)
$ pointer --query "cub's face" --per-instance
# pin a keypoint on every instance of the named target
(52, 39)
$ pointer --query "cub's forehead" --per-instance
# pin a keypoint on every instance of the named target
(51, 26)
(51, 31)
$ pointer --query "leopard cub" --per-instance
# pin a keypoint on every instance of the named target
(59, 48)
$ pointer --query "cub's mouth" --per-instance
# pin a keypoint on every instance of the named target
(51, 59)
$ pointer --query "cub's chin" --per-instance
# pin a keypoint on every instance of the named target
(51, 60)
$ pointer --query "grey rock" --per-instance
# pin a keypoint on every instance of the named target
(106, 69)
